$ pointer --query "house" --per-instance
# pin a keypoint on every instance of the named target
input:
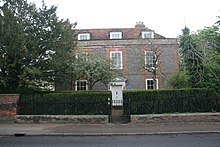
(132, 49)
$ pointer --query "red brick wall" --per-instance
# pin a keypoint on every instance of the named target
(8, 104)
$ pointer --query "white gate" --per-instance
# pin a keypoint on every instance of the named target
(117, 95)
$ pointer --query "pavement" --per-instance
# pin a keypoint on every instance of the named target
(14, 129)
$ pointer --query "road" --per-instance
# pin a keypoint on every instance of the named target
(173, 140)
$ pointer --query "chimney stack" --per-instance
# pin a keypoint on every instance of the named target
(140, 25)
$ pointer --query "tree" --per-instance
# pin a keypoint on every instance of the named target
(35, 46)
(208, 42)
(200, 57)
(179, 80)
(12, 48)
(218, 22)
(192, 60)
(151, 61)
(93, 69)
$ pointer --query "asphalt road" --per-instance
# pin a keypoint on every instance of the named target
(173, 140)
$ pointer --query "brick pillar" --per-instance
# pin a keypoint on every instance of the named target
(8, 107)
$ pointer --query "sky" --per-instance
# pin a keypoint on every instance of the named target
(165, 17)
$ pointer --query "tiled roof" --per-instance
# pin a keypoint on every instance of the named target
(127, 33)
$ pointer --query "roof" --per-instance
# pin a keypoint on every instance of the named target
(127, 33)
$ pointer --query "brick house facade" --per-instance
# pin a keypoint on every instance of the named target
(129, 46)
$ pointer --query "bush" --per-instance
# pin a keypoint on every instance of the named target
(68, 103)
(179, 80)
(135, 102)
(172, 101)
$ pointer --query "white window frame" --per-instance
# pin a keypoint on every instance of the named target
(147, 34)
(149, 61)
(119, 65)
(81, 88)
(84, 36)
(148, 85)
(115, 35)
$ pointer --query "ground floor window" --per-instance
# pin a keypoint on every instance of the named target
(150, 84)
(81, 85)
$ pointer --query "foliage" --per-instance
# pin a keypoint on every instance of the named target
(35, 46)
(67, 103)
(192, 58)
(179, 80)
(199, 54)
(93, 69)
(172, 101)
(141, 102)
(218, 22)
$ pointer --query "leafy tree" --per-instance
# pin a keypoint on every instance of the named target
(208, 41)
(200, 57)
(93, 69)
(35, 46)
(191, 58)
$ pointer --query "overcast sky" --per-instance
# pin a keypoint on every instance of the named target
(166, 17)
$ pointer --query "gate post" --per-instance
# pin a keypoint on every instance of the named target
(118, 114)
(8, 107)
(109, 109)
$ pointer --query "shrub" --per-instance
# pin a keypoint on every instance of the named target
(68, 103)
(172, 101)
(179, 80)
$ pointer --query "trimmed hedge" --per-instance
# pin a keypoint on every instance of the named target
(135, 102)
(172, 101)
(67, 103)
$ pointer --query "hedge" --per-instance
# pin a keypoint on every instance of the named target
(135, 102)
(68, 103)
(172, 101)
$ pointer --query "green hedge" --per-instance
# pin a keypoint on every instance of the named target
(172, 101)
(67, 103)
(135, 102)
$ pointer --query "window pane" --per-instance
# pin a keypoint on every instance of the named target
(148, 34)
(115, 35)
(116, 58)
(150, 84)
(81, 85)
(150, 58)
(85, 36)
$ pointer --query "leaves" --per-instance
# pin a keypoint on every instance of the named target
(200, 57)
(179, 80)
(92, 68)
(35, 46)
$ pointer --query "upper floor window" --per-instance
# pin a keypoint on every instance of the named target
(150, 58)
(84, 36)
(147, 34)
(115, 35)
(116, 59)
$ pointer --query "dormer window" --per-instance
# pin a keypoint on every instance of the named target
(147, 34)
(84, 36)
(115, 35)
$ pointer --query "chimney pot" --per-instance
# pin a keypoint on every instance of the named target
(140, 25)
